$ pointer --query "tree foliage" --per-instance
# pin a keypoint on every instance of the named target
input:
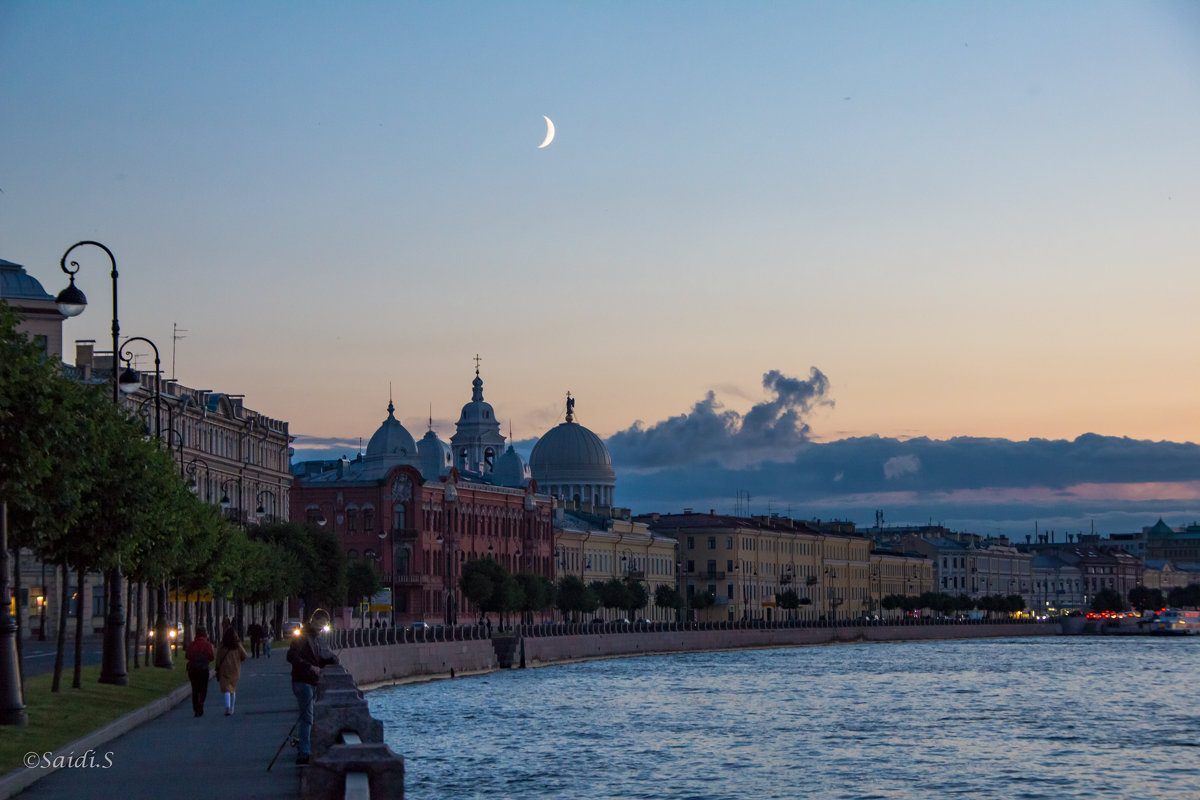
(1184, 596)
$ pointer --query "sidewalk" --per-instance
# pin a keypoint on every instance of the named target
(184, 757)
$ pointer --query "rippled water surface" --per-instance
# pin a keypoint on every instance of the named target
(1073, 717)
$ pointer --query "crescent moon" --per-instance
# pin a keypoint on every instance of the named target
(549, 132)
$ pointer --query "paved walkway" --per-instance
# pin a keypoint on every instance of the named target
(183, 757)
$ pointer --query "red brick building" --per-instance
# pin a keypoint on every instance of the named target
(421, 511)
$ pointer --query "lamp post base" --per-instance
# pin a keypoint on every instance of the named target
(112, 658)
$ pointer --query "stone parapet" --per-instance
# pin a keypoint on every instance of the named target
(347, 744)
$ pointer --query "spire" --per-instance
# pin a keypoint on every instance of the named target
(431, 416)
(477, 384)
(570, 407)
(391, 408)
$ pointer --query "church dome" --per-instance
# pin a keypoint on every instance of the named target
(511, 470)
(478, 410)
(436, 456)
(391, 440)
(570, 453)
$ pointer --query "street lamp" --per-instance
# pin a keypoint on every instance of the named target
(226, 503)
(71, 301)
(260, 512)
(193, 486)
(129, 382)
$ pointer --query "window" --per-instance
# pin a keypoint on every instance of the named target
(691, 542)
(691, 566)
(97, 601)
(368, 519)
(712, 543)
(728, 542)
(712, 567)
(352, 519)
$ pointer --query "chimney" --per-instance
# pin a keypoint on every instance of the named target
(84, 355)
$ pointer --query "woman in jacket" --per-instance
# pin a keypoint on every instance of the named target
(230, 656)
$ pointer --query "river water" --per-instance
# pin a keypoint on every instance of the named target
(1047, 717)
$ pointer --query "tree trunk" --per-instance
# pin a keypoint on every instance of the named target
(64, 598)
(76, 681)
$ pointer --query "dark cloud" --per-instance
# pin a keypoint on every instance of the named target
(772, 429)
(971, 482)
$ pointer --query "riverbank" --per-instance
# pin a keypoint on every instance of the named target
(385, 665)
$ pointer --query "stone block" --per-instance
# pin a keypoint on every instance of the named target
(325, 776)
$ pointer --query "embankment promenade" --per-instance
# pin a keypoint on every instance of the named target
(380, 664)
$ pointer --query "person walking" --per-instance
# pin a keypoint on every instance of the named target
(255, 632)
(230, 656)
(307, 656)
(199, 655)
(267, 639)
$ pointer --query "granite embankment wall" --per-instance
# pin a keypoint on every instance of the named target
(387, 663)
(381, 664)
(555, 649)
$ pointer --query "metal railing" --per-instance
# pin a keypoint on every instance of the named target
(372, 637)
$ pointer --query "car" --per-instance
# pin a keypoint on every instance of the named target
(419, 626)
(174, 632)
(292, 627)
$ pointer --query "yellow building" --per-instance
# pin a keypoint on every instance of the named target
(905, 574)
(748, 564)
(599, 548)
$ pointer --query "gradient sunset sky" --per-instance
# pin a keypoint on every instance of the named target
(972, 219)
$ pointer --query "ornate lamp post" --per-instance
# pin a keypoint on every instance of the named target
(193, 467)
(12, 705)
(260, 513)
(226, 503)
(129, 382)
(71, 301)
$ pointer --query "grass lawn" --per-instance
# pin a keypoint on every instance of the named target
(58, 719)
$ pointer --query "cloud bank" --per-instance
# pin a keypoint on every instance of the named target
(704, 458)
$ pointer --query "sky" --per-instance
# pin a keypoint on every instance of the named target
(771, 244)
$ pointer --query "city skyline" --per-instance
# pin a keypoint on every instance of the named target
(974, 223)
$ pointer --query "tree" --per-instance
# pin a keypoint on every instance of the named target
(362, 581)
(575, 597)
(1108, 600)
(703, 600)
(1014, 603)
(613, 593)
(1184, 596)
(668, 597)
(789, 600)
(536, 593)
(487, 584)
(636, 596)
(1142, 598)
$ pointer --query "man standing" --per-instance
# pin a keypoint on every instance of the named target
(307, 656)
